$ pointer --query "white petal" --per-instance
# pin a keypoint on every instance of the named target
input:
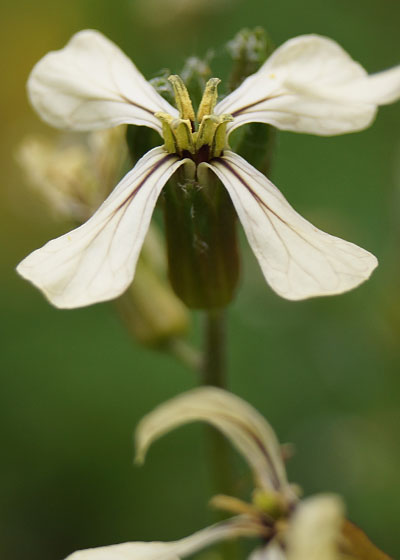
(91, 84)
(272, 551)
(96, 261)
(167, 550)
(381, 88)
(298, 260)
(310, 84)
(248, 431)
(315, 528)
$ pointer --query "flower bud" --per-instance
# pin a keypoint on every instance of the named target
(151, 311)
(249, 49)
(74, 175)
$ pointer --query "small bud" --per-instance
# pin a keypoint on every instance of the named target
(151, 311)
(248, 49)
(75, 174)
(163, 86)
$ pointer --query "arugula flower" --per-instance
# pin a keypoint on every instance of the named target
(286, 527)
(309, 84)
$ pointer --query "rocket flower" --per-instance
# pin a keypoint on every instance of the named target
(309, 84)
(286, 527)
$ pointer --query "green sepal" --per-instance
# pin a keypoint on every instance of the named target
(200, 226)
(140, 140)
(255, 142)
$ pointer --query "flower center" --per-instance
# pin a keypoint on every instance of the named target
(200, 137)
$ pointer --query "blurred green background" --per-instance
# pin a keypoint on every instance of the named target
(324, 372)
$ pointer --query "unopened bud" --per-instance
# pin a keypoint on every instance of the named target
(151, 311)
(73, 177)
(248, 49)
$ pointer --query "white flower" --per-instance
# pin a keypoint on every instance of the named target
(308, 85)
(289, 529)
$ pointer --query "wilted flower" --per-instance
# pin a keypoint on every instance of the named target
(310, 84)
(73, 175)
(289, 528)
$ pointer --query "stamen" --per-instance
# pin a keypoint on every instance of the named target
(207, 129)
(183, 134)
(219, 142)
(209, 99)
(180, 135)
(182, 98)
(169, 138)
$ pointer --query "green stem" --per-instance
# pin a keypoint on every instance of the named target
(214, 373)
(220, 453)
(185, 353)
(214, 369)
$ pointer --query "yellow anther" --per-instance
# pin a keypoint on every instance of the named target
(179, 134)
(182, 99)
(183, 135)
(209, 99)
(169, 138)
(219, 142)
(207, 130)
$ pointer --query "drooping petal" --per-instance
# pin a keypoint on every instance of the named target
(168, 550)
(358, 545)
(96, 261)
(298, 260)
(247, 430)
(310, 84)
(315, 529)
(91, 84)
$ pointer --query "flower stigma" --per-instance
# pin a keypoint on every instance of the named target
(200, 137)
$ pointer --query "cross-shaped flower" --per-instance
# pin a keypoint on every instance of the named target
(288, 528)
(309, 84)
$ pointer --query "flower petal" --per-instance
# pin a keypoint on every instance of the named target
(272, 551)
(247, 430)
(310, 84)
(91, 84)
(298, 260)
(315, 529)
(168, 550)
(96, 261)
(358, 545)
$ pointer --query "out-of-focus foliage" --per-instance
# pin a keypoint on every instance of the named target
(324, 372)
